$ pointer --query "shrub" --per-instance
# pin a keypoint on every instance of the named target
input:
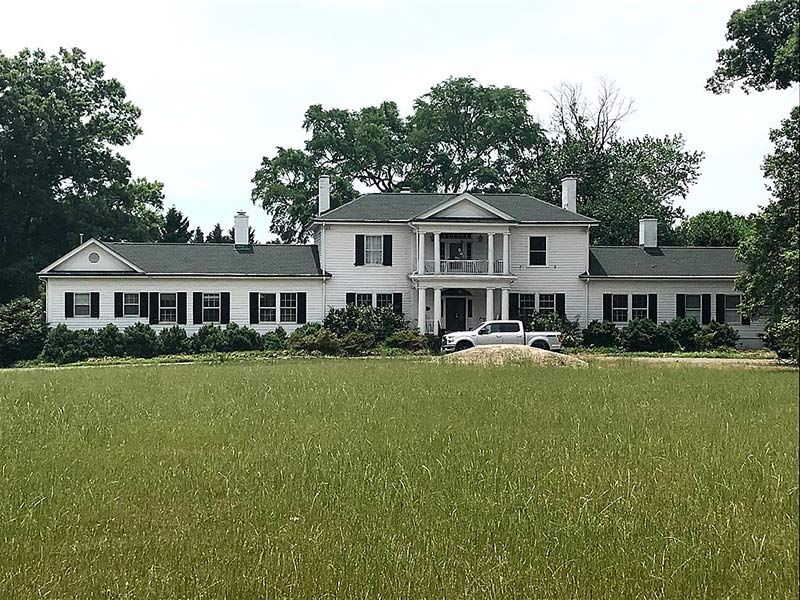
(275, 340)
(717, 335)
(380, 323)
(65, 345)
(644, 335)
(312, 337)
(22, 330)
(238, 338)
(783, 337)
(355, 343)
(433, 342)
(141, 341)
(110, 341)
(407, 339)
(602, 334)
(209, 338)
(173, 340)
(571, 330)
(684, 331)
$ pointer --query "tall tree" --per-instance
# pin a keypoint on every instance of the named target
(765, 51)
(198, 237)
(251, 235)
(61, 123)
(713, 228)
(216, 235)
(175, 227)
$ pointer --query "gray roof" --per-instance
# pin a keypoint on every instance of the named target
(276, 260)
(404, 207)
(664, 261)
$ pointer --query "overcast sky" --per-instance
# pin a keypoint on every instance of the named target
(221, 84)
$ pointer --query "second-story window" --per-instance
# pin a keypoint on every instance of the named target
(538, 251)
(211, 308)
(373, 249)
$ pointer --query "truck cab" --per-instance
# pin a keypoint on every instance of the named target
(501, 332)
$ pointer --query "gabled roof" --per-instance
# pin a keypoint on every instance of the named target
(268, 260)
(404, 207)
(664, 261)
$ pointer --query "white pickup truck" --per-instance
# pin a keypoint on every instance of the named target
(501, 332)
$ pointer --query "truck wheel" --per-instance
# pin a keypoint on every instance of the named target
(542, 345)
(463, 345)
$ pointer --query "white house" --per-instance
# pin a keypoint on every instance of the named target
(446, 261)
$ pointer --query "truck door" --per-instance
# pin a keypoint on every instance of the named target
(510, 333)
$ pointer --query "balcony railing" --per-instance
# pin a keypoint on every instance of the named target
(463, 267)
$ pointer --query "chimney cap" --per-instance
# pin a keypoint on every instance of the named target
(569, 176)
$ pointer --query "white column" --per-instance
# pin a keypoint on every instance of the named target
(489, 304)
(421, 300)
(437, 253)
(490, 239)
(437, 309)
(504, 304)
(421, 252)
(506, 253)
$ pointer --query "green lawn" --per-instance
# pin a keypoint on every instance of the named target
(398, 479)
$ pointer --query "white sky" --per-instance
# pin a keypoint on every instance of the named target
(221, 84)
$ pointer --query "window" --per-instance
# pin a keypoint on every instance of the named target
(639, 306)
(619, 308)
(694, 307)
(527, 306)
(168, 308)
(732, 309)
(94, 258)
(130, 305)
(81, 305)
(538, 251)
(289, 308)
(211, 308)
(499, 328)
(547, 303)
(363, 299)
(384, 301)
(373, 249)
(267, 309)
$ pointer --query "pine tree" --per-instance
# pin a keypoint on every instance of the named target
(175, 227)
(198, 237)
(251, 236)
(216, 236)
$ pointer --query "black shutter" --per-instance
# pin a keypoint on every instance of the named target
(680, 305)
(397, 303)
(652, 307)
(513, 307)
(561, 305)
(387, 251)
(469, 250)
(143, 304)
(197, 308)
(117, 304)
(720, 308)
(94, 305)
(359, 250)
(254, 308)
(153, 308)
(301, 307)
(705, 305)
(225, 308)
(181, 308)
(350, 298)
(69, 305)
(606, 307)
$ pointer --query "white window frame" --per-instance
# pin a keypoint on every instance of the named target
(618, 310)
(87, 304)
(133, 306)
(549, 306)
(383, 300)
(694, 313)
(209, 307)
(640, 312)
(363, 299)
(735, 312)
(165, 311)
(265, 309)
(288, 306)
(373, 256)
(546, 252)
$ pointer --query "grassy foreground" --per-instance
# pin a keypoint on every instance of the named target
(398, 479)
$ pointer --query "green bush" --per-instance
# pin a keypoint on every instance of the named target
(717, 335)
(571, 330)
(238, 338)
(65, 345)
(379, 323)
(275, 340)
(433, 343)
(356, 343)
(684, 331)
(22, 330)
(173, 340)
(141, 341)
(603, 334)
(110, 341)
(209, 338)
(783, 337)
(312, 337)
(644, 335)
(407, 339)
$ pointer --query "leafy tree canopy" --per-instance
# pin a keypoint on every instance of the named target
(713, 228)
(175, 227)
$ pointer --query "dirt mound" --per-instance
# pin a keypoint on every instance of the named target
(511, 355)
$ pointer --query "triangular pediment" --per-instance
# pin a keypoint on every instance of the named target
(91, 256)
(464, 206)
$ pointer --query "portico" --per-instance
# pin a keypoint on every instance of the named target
(452, 305)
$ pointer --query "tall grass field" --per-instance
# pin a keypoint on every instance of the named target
(398, 479)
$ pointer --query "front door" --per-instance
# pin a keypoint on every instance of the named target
(456, 311)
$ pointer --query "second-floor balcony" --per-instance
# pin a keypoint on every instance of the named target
(464, 267)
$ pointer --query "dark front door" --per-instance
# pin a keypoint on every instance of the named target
(456, 309)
